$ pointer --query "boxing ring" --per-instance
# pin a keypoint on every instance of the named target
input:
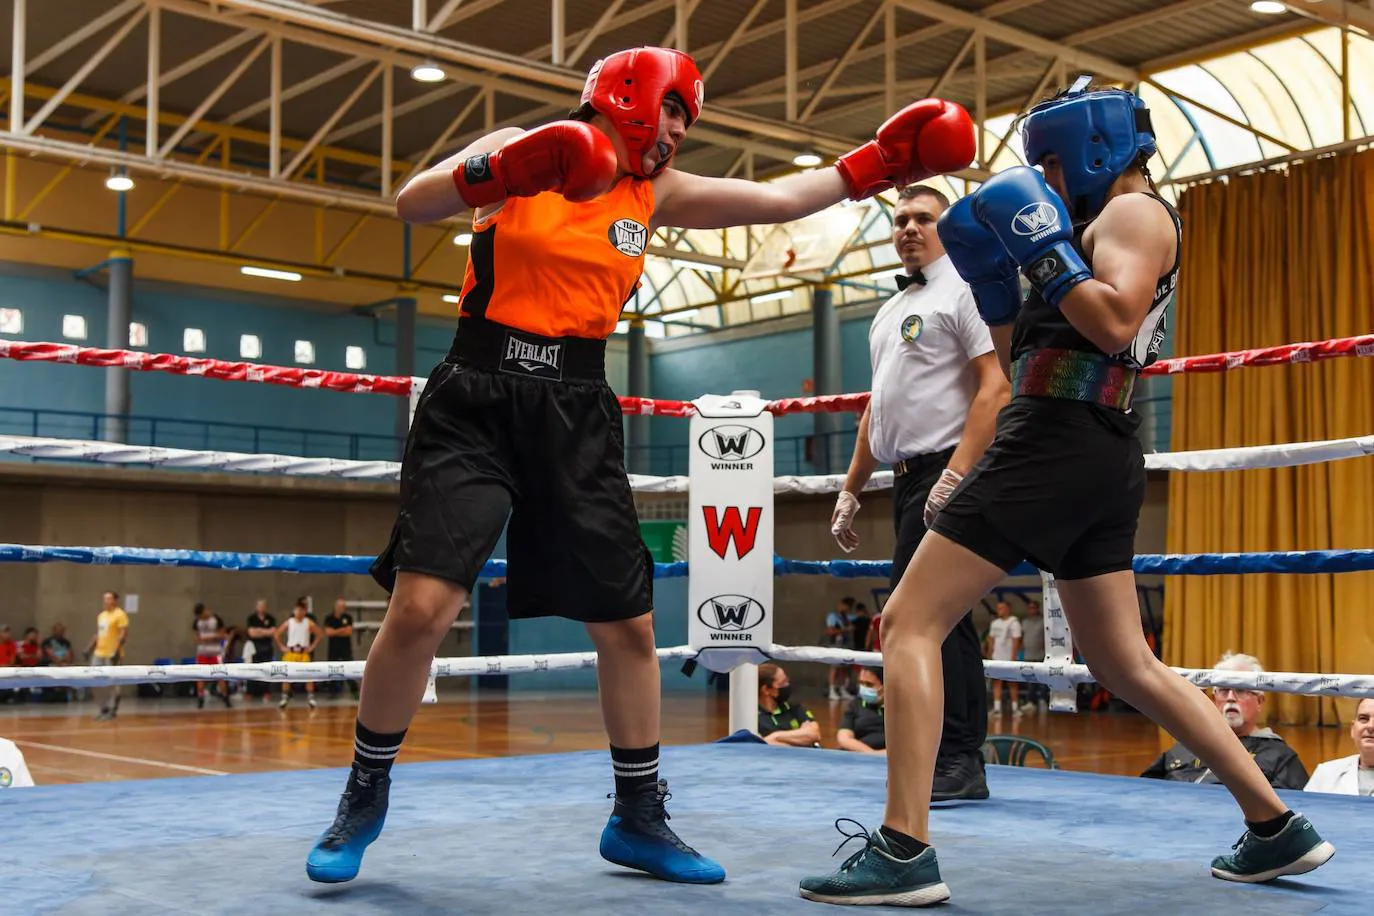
(518, 835)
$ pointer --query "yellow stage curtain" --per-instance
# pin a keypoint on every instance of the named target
(1273, 258)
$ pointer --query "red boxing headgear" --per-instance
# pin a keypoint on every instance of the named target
(628, 87)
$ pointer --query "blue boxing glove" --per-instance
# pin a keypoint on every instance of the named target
(982, 260)
(1034, 225)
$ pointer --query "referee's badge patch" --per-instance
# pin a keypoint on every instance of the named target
(911, 328)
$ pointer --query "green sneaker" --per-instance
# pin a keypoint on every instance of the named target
(874, 876)
(1295, 850)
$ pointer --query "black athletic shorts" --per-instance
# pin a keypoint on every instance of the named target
(1061, 486)
(514, 425)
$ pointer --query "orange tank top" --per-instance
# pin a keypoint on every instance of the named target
(548, 266)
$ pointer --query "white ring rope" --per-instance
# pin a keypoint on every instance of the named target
(1220, 459)
(1059, 676)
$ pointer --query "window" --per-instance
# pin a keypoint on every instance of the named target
(138, 334)
(11, 321)
(355, 358)
(305, 352)
(74, 327)
(193, 340)
(250, 347)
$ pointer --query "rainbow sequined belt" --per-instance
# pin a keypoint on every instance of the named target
(1075, 376)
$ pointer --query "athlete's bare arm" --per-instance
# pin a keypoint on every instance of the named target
(686, 201)
(1130, 246)
(431, 195)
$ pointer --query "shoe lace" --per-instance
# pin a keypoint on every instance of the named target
(647, 811)
(863, 834)
(354, 810)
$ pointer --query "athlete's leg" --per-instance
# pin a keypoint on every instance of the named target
(637, 834)
(627, 678)
(1104, 618)
(941, 584)
(421, 610)
(418, 617)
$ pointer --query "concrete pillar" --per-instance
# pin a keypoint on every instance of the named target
(637, 432)
(825, 356)
(405, 361)
(118, 399)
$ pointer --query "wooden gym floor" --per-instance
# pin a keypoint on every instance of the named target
(171, 737)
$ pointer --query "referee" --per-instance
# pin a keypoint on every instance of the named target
(937, 388)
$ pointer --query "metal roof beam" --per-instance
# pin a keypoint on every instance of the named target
(1011, 35)
(505, 73)
(1340, 13)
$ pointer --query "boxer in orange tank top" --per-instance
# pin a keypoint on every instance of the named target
(518, 425)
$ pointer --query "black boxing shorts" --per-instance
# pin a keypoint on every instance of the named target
(1061, 486)
(516, 426)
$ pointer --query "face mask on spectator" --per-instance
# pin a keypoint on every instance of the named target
(784, 693)
(869, 695)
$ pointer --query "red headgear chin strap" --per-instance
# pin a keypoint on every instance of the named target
(628, 87)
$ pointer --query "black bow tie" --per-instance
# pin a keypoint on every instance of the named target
(905, 280)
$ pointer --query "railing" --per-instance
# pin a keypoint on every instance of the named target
(210, 435)
(805, 454)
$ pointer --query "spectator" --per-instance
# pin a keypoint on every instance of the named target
(783, 720)
(1002, 645)
(107, 648)
(262, 628)
(862, 727)
(29, 652)
(840, 634)
(209, 630)
(1033, 650)
(57, 647)
(58, 652)
(8, 650)
(1353, 775)
(1242, 709)
(861, 624)
(297, 638)
(338, 628)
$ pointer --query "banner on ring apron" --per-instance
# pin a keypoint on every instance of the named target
(730, 530)
(1058, 650)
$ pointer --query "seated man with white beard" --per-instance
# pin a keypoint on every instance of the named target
(1242, 710)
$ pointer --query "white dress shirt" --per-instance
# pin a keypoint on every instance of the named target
(920, 345)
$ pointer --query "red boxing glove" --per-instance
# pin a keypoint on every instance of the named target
(570, 157)
(926, 138)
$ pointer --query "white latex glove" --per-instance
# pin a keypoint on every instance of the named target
(842, 521)
(940, 494)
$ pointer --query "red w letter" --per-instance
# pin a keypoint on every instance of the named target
(719, 532)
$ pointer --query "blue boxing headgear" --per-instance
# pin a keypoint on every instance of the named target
(1097, 136)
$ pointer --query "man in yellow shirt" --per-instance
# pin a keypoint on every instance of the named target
(107, 648)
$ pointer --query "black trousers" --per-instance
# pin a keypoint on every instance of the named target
(966, 700)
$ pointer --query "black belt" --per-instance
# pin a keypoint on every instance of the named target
(496, 347)
(919, 462)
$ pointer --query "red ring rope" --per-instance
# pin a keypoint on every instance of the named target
(1362, 346)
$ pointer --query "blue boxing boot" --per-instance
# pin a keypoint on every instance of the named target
(638, 836)
(362, 811)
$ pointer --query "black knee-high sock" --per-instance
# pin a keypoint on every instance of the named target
(374, 750)
(634, 767)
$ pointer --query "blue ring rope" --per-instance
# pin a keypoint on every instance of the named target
(1198, 564)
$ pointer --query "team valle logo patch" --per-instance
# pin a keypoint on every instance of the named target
(912, 327)
(629, 237)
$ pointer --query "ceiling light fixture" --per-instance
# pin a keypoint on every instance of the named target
(271, 274)
(428, 72)
(771, 297)
(119, 181)
(806, 160)
(463, 238)
(1268, 7)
